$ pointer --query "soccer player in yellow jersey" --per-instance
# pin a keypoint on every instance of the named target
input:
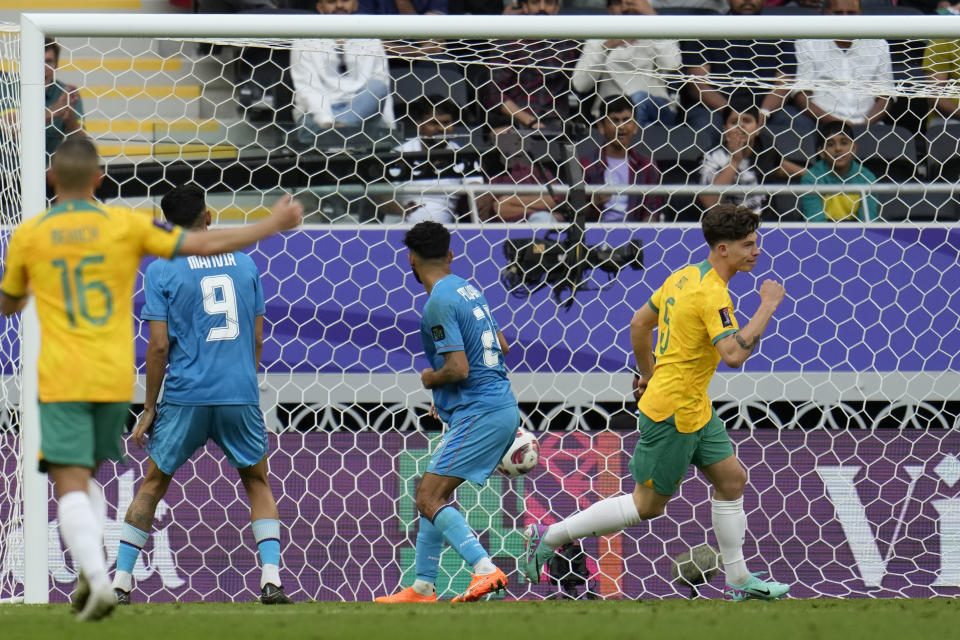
(696, 329)
(79, 259)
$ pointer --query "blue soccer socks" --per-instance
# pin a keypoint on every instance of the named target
(267, 534)
(454, 529)
(132, 540)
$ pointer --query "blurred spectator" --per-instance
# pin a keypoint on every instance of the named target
(516, 168)
(630, 67)
(839, 63)
(531, 81)
(615, 163)
(434, 117)
(640, 7)
(339, 83)
(479, 7)
(838, 165)
(766, 61)
(690, 6)
(407, 7)
(64, 112)
(233, 6)
(942, 61)
(745, 158)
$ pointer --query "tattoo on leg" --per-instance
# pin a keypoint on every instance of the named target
(747, 346)
(141, 511)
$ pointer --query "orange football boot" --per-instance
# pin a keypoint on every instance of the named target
(406, 595)
(482, 585)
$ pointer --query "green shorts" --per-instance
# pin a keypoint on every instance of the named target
(663, 454)
(81, 433)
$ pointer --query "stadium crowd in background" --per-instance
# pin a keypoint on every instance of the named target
(64, 106)
(534, 90)
(340, 83)
(837, 164)
(745, 157)
(618, 163)
(821, 62)
(618, 67)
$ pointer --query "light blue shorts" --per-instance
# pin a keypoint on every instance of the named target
(474, 445)
(180, 430)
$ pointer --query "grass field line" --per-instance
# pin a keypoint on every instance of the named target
(872, 619)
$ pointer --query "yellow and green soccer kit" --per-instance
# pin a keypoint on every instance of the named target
(677, 422)
(79, 260)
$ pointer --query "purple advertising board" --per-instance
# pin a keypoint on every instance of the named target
(835, 513)
(858, 299)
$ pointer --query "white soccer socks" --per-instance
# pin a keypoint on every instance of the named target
(729, 527)
(82, 534)
(484, 567)
(423, 587)
(600, 518)
(98, 504)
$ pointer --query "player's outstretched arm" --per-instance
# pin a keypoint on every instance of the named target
(286, 214)
(736, 348)
(455, 368)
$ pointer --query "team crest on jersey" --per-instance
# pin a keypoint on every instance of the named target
(438, 333)
(725, 317)
(162, 224)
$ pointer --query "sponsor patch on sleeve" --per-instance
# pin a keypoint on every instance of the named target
(162, 224)
(725, 318)
(438, 333)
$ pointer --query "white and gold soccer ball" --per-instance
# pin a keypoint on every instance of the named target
(522, 456)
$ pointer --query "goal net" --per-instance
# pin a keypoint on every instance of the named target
(572, 164)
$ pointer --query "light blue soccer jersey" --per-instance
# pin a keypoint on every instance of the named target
(457, 318)
(209, 305)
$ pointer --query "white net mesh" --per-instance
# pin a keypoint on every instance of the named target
(10, 505)
(846, 420)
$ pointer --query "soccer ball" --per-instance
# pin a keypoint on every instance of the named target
(695, 567)
(522, 456)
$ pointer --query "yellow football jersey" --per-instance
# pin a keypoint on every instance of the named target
(695, 312)
(79, 259)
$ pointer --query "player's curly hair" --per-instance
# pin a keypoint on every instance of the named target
(428, 240)
(184, 205)
(728, 222)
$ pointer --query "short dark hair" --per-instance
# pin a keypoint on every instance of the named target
(49, 44)
(728, 222)
(75, 163)
(830, 129)
(615, 104)
(426, 106)
(428, 240)
(184, 205)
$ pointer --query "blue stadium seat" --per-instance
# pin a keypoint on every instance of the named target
(415, 79)
(793, 146)
(892, 144)
(943, 138)
(918, 207)
(671, 145)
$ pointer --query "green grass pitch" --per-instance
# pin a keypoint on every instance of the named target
(599, 620)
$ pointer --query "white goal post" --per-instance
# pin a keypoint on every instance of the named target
(36, 26)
